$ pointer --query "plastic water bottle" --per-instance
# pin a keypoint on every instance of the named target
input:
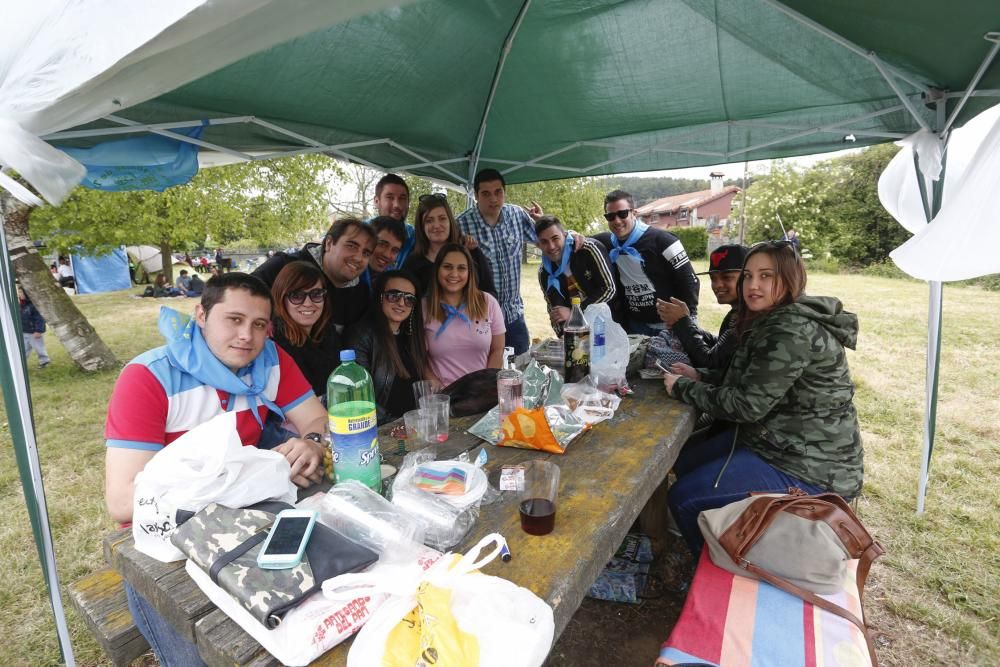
(576, 345)
(350, 396)
(597, 343)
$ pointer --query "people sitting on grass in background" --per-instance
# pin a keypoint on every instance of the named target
(32, 329)
(702, 348)
(390, 344)
(390, 236)
(163, 288)
(436, 227)
(392, 199)
(501, 230)
(220, 360)
(463, 325)
(567, 272)
(649, 264)
(65, 272)
(302, 325)
(785, 401)
(189, 285)
(343, 256)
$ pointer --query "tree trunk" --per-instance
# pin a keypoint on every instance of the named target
(168, 261)
(69, 325)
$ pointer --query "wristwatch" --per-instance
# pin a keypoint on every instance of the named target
(315, 437)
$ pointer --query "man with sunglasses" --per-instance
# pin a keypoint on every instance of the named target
(343, 257)
(502, 229)
(392, 199)
(649, 263)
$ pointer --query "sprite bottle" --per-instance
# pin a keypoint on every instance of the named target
(576, 344)
(350, 396)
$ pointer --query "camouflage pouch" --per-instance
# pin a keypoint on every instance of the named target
(224, 542)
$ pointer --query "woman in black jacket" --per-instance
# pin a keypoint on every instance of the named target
(436, 227)
(302, 325)
(390, 343)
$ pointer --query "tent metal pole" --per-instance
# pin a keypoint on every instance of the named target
(418, 165)
(186, 139)
(312, 142)
(932, 204)
(538, 159)
(132, 129)
(992, 37)
(412, 153)
(846, 43)
(617, 159)
(884, 71)
(504, 52)
(17, 403)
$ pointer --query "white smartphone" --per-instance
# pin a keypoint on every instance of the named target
(287, 540)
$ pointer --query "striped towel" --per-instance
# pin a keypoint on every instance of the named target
(731, 621)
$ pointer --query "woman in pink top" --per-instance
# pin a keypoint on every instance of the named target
(464, 325)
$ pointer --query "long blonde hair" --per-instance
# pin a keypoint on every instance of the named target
(472, 296)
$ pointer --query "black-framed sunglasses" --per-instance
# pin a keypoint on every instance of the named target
(434, 196)
(298, 297)
(395, 296)
(776, 244)
(621, 215)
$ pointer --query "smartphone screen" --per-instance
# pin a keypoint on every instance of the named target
(287, 536)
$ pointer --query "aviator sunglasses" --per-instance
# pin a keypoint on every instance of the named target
(298, 297)
(395, 296)
(621, 215)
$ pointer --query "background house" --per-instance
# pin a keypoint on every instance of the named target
(710, 208)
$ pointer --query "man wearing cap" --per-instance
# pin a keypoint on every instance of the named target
(704, 349)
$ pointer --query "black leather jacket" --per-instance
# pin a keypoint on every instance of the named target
(368, 355)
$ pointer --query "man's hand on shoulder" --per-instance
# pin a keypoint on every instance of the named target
(306, 459)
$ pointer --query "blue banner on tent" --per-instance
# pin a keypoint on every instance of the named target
(105, 273)
(150, 162)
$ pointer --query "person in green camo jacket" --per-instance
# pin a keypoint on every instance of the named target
(787, 395)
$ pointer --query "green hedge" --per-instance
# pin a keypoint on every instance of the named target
(695, 240)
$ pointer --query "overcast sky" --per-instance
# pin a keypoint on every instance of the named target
(734, 170)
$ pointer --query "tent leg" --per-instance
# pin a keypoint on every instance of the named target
(17, 402)
(933, 373)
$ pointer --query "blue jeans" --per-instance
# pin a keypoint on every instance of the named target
(698, 467)
(517, 336)
(170, 647)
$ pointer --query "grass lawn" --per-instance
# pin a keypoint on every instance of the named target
(934, 595)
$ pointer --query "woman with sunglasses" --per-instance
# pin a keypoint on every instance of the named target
(390, 343)
(465, 326)
(787, 396)
(436, 227)
(302, 325)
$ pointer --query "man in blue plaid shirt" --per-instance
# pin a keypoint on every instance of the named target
(502, 230)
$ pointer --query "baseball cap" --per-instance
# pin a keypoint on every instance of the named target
(726, 258)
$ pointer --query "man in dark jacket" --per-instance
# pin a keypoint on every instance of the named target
(342, 256)
(704, 349)
(33, 330)
(567, 271)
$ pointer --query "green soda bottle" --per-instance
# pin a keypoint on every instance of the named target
(350, 396)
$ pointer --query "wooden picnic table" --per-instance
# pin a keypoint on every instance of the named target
(607, 477)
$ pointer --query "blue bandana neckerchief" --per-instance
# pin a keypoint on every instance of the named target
(453, 313)
(553, 272)
(188, 351)
(617, 247)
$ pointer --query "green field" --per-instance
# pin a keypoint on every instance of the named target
(934, 596)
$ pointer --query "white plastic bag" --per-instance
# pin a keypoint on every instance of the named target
(609, 372)
(588, 403)
(510, 624)
(208, 464)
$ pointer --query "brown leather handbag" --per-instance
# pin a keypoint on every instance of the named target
(795, 542)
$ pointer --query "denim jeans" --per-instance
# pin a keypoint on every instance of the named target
(517, 336)
(171, 649)
(697, 468)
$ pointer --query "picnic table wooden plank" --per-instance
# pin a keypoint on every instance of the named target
(607, 476)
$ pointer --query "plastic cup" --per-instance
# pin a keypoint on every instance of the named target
(418, 426)
(538, 499)
(440, 406)
(422, 388)
(510, 384)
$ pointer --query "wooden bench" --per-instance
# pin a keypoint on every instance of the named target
(100, 600)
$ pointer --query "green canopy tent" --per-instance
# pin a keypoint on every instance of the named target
(539, 89)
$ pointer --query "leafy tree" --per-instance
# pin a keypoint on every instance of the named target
(267, 201)
(787, 198)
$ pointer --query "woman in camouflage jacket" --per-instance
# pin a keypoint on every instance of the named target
(787, 393)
